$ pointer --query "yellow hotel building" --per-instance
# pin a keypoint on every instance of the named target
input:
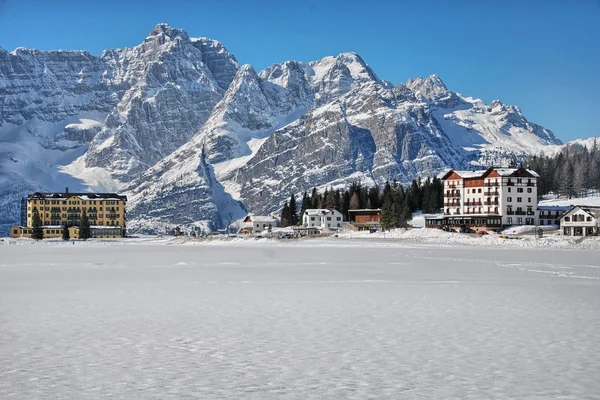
(105, 211)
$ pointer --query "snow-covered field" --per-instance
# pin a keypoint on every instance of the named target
(314, 319)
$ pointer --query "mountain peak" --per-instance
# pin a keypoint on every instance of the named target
(165, 30)
(430, 87)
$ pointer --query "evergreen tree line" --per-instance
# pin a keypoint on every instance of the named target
(37, 232)
(572, 173)
(396, 203)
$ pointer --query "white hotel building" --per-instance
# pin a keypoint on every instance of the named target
(488, 199)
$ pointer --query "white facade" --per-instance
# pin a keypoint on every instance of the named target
(259, 223)
(581, 221)
(508, 193)
(322, 218)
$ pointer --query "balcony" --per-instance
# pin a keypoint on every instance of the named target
(453, 195)
(452, 186)
(510, 212)
(531, 184)
(471, 204)
(509, 183)
(520, 213)
(491, 203)
(530, 213)
(491, 193)
(490, 184)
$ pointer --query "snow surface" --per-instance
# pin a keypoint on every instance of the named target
(593, 201)
(336, 319)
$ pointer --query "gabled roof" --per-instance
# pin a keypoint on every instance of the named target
(591, 211)
(482, 173)
(465, 174)
(516, 172)
(260, 218)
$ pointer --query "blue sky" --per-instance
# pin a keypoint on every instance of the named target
(543, 56)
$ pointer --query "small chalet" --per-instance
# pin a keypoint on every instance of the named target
(366, 218)
(322, 218)
(581, 221)
(254, 224)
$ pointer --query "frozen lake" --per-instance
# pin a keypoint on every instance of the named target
(312, 320)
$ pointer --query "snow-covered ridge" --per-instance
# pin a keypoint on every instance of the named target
(193, 138)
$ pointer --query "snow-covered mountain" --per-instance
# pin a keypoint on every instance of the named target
(193, 138)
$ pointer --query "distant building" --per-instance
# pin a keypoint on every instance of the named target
(581, 221)
(488, 199)
(365, 219)
(254, 224)
(550, 215)
(322, 219)
(105, 211)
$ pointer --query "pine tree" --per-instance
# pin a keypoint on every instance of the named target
(285, 215)
(84, 227)
(65, 232)
(314, 198)
(305, 205)
(37, 232)
(354, 202)
(293, 211)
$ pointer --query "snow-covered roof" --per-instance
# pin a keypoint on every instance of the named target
(261, 218)
(593, 211)
(511, 171)
(82, 196)
(317, 211)
(471, 174)
(553, 208)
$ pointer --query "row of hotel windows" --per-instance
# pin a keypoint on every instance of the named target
(474, 191)
(77, 202)
(328, 218)
(65, 208)
(489, 181)
(519, 199)
(115, 216)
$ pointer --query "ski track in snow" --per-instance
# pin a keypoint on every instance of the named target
(305, 320)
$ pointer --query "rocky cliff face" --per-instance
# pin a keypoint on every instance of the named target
(195, 139)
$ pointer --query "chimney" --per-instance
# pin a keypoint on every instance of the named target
(66, 189)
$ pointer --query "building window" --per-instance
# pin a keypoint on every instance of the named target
(328, 218)
(339, 218)
(519, 221)
(541, 222)
(567, 219)
(519, 190)
(509, 199)
(529, 199)
(509, 220)
(529, 190)
(519, 180)
(519, 199)
(509, 190)
(589, 219)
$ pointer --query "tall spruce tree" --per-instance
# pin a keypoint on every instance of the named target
(285, 215)
(293, 210)
(37, 232)
(304, 206)
(84, 227)
(66, 235)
